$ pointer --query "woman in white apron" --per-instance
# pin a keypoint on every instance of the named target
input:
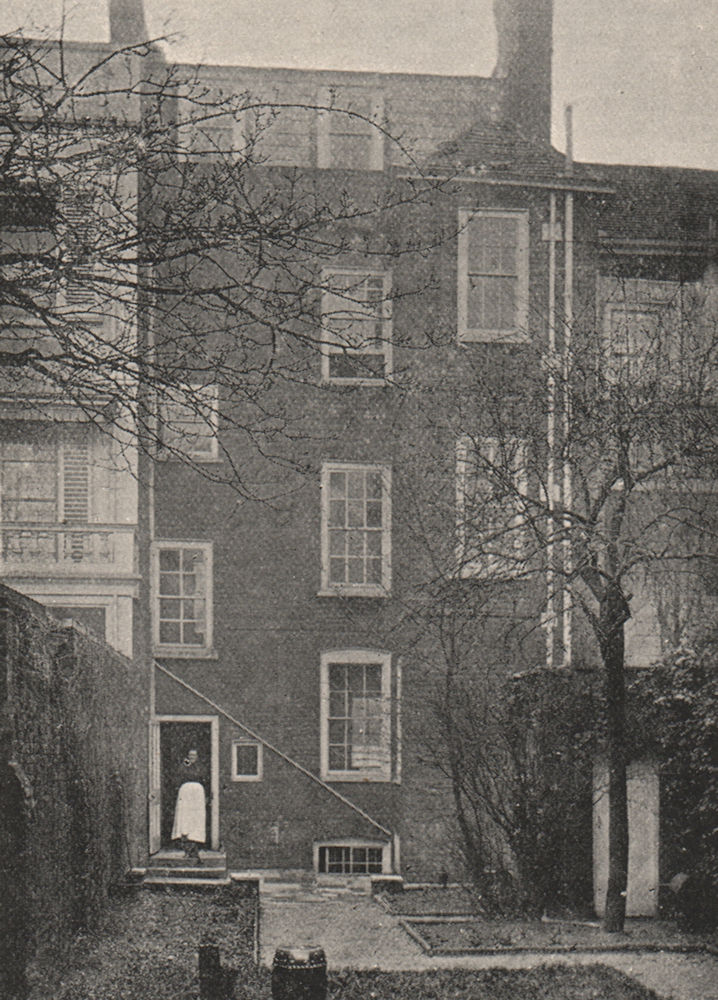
(190, 821)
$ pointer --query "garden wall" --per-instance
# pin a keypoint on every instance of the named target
(74, 770)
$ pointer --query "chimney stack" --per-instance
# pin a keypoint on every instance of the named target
(524, 30)
(127, 23)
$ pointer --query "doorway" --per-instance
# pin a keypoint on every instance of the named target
(172, 738)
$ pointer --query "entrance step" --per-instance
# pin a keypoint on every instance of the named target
(172, 868)
(182, 882)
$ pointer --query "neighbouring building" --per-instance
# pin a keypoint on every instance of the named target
(294, 642)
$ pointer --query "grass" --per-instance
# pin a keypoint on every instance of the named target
(431, 901)
(147, 948)
(588, 982)
(490, 935)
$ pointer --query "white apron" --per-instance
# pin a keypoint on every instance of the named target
(190, 813)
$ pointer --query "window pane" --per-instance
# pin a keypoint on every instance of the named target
(355, 514)
(337, 676)
(170, 608)
(337, 704)
(169, 583)
(373, 514)
(337, 513)
(355, 570)
(337, 484)
(191, 635)
(337, 758)
(169, 559)
(247, 759)
(337, 571)
(372, 673)
(170, 632)
(373, 571)
(337, 732)
(355, 484)
(373, 485)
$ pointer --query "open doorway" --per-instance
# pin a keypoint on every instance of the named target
(173, 738)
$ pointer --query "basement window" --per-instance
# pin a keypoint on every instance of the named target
(350, 859)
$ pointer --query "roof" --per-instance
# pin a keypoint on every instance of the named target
(671, 204)
(498, 148)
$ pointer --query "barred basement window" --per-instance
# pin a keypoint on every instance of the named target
(349, 860)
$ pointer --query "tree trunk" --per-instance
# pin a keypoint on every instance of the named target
(614, 613)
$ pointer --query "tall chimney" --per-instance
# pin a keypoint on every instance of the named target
(524, 30)
(127, 23)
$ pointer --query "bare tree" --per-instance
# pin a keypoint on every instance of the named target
(572, 532)
(151, 259)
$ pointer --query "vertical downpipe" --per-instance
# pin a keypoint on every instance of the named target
(568, 329)
(551, 437)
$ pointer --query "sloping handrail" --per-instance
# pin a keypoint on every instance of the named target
(279, 753)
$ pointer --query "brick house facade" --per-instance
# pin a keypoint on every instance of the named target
(289, 637)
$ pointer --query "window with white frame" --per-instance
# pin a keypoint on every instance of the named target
(53, 486)
(356, 530)
(492, 507)
(351, 858)
(356, 715)
(246, 760)
(356, 326)
(188, 423)
(347, 133)
(493, 275)
(182, 597)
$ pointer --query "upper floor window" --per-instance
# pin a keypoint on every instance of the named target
(51, 484)
(356, 530)
(188, 423)
(246, 760)
(493, 275)
(182, 597)
(356, 326)
(356, 715)
(347, 133)
(491, 502)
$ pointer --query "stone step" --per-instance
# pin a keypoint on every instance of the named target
(186, 871)
(184, 882)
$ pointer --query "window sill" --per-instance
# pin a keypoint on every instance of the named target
(365, 777)
(184, 653)
(492, 337)
(372, 592)
(379, 383)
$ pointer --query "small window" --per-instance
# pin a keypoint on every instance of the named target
(188, 423)
(356, 326)
(347, 134)
(356, 715)
(492, 516)
(493, 275)
(356, 530)
(350, 859)
(636, 343)
(246, 760)
(182, 597)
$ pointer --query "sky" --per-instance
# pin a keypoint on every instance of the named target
(642, 75)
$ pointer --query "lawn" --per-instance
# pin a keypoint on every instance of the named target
(588, 982)
(444, 937)
(147, 947)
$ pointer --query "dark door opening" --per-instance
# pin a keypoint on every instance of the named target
(176, 740)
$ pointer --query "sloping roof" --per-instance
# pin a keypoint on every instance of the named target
(498, 148)
(656, 203)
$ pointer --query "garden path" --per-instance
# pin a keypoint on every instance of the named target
(357, 933)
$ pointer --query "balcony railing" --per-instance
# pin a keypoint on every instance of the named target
(67, 549)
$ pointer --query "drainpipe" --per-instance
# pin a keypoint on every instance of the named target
(568, 325)
(551, 436)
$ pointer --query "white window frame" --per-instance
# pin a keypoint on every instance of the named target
(340, 97)
(358, 657)
(180, 650)
(493, 566)
(352, 842)
(626, 365)
(519, 332)
(331, 589)
(212, 427)
(329, 347)
(244, 741)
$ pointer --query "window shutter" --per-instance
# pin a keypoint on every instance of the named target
(78, 232)
(76, 483)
